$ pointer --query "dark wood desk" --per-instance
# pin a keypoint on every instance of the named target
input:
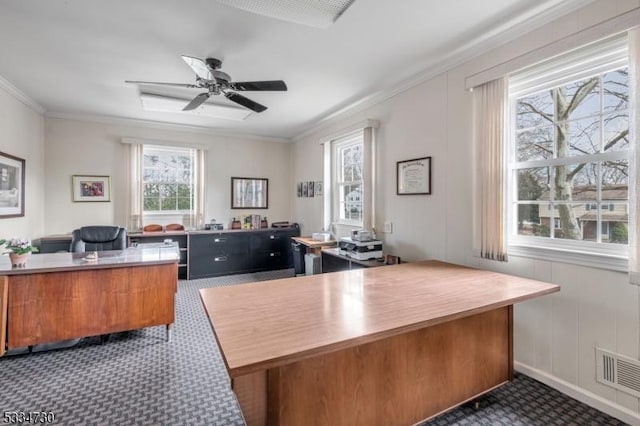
(61, 296)
(378, 346)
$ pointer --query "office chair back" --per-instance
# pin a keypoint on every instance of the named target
(98, 238)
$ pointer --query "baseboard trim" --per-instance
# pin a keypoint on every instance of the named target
(589, 398)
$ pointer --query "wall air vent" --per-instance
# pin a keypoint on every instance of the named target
(618, 371)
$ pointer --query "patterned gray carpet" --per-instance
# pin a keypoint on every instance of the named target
(138, 378)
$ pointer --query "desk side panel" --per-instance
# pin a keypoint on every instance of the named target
(55, 306)
(403, 379)
(251, 393)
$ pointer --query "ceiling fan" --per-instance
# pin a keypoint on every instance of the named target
(216, 82)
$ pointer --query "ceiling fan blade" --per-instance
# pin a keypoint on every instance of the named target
(190, 86)
(197, 101)
(198, 66)
(245, 102)
(274, 85)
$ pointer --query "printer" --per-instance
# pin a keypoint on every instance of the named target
(360, 246)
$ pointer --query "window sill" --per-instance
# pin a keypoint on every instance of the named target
(582, 258)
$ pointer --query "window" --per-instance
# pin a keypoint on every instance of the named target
(348, 177)
(569, 153)
(348, 182)
(168, 184)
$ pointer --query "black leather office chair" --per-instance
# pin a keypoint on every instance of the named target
(99, 238)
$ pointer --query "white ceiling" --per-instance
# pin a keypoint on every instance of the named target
(72, 56)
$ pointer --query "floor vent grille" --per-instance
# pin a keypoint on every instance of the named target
(618, 371)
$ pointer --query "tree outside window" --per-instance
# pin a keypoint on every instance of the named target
(167, 179)
(571, 160)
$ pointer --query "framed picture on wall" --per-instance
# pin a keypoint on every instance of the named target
(249, 193)
(11, 186)
(414, 176)
(318, 189)
(90, 188)
(310, 188)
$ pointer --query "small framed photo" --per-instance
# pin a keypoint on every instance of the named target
(310, 188)
(318, 188)
(91, 188)
(305, 189)
(11, 186)
(414, 176)
(299, 189)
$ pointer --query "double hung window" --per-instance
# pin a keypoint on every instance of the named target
(168, 179)
(569, 152)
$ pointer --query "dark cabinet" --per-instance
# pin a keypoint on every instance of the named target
(213, 254)
(54, 244)
(234, 252)
(178, 237)
(270, 250)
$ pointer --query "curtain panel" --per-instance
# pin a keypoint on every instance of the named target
(135, 220)
(489, 112)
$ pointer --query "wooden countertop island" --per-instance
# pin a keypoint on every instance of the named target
(61, 296)
(393, 345)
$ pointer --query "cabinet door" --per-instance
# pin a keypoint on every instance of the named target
(271, 250)
(218, 254)
(267, 260)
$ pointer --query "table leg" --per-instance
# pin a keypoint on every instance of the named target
(169, 328)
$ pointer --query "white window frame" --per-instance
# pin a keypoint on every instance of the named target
(349, 141)
(587, 253)
(367, 131)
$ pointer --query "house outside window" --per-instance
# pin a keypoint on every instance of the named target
(348, 184)
(569, 160)
(168, 184)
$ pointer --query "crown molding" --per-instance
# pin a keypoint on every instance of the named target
(543, 13)
(158, 125)
(20, 95)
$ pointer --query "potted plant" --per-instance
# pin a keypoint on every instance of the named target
(19, 250)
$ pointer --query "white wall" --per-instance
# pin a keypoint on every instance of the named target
(555, 336)
(82, 147)
(22, 135)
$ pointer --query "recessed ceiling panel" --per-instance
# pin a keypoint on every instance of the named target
(314, 13)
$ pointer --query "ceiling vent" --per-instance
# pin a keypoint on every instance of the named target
(160, 103)
(314, 13)
(618, 371)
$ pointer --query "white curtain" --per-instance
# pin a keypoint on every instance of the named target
(634, 157)
(489, 111)
(196, 218)
(135, 217)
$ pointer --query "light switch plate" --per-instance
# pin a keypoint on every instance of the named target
(388, 227)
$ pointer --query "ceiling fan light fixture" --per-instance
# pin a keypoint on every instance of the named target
(158, 103)
(313, 13)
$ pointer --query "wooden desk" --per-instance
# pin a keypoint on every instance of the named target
(60, 296)
(312, 245)
(378, 346)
